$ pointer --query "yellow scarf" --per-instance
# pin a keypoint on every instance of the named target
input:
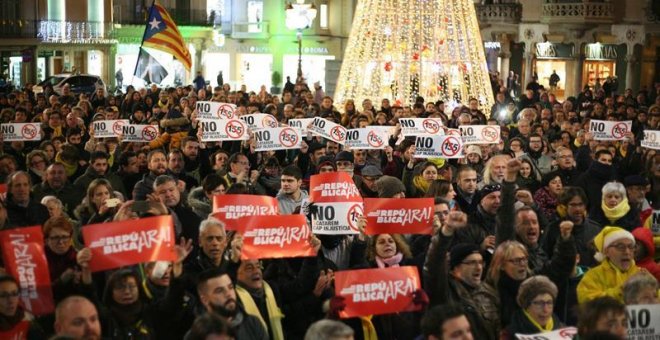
(420, 183)
(561, 210)
(274, 311)
(548, 326)
(576, 143)
(70, 169)
(614, 214)
(368, 329)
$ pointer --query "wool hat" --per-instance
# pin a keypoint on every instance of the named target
(344, 156)
(533, 287)
(388, 186)
(326, 160)
(606, 237)
(489, 189)
(460, 251)
(635, 180)
(371, 171)
(473, 149)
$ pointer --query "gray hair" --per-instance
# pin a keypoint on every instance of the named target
(611, 187)
(635, 284)
(327, 330)
(162, 179)
(209, 222)
(50, 198)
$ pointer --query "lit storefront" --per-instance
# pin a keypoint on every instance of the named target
(602, 61)
(551, 58)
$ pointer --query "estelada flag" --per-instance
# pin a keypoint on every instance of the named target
(333, 187)
(229, 208)
(162, 34)
(118, 244)
(23, 253)
(377, 291)
(268, 237)
(399, 215)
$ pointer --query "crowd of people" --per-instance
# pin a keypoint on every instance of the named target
(546, 229)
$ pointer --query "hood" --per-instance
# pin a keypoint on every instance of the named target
(645, 236)
(197, 199)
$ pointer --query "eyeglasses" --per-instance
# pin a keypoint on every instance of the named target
(473, 263)
(61, 238)
(519, 261)
(7, 295)
(543, 304)
(623, 247)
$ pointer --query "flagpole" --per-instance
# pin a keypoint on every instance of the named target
(146, 27)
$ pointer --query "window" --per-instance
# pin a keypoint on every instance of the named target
(323, 16)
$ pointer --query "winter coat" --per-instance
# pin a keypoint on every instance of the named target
(644, 236)
(604, 280)
(83, 182)
(583, 234)
(68, 194)
(18, 216)
(520, 324)
(200, 204)
(629, 221)
(144, 187)
(592, 182)
(566, 303)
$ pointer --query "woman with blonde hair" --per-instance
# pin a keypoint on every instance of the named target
(97, 206)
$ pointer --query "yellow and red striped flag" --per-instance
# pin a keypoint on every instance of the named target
(162, 34)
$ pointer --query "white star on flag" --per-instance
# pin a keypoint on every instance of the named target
(154, 24)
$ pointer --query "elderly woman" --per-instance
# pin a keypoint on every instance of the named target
(615, 209)
(547, 197)
(616, 254)
(418, 179)
(536, 297)
(641, 289)
(14, 319)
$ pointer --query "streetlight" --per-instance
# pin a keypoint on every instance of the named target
(300, 16)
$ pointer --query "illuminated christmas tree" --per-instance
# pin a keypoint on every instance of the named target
(401, 49)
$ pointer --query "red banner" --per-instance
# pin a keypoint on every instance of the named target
(118, 244)
(229, 208)
(399, 216)
(23, 253)
(333, 187)
(377, 291)
(275, 237)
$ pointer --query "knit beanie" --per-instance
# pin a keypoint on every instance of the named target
(460, 251)
(533, 287)
(389, 186)
(606, 237)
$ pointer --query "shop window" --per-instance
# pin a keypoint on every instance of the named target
(323, 16)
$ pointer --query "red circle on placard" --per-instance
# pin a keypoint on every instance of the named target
(225, 108)
(29, 131)
(338, 130)
(433, 127)
(356, 210)
(453, 132)
(234, 124)
(489, 133)
(117, 126)
(149, 133)
(450, 140)
(374, 139)
(289, 143)
(616, 128)
(269, 122)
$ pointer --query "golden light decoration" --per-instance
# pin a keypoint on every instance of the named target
(434, 51)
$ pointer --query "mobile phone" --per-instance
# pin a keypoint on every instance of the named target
(140, 206)
(112, 202)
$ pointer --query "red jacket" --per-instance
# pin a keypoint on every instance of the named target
(645, 237)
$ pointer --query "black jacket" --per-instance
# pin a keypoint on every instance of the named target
(520, 324)
(18, 216)
(592, 182)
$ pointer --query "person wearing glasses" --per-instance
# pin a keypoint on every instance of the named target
(616, 254)
(15, 321)
(537, 297)
(60, 254)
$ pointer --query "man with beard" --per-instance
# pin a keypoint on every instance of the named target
(573, 207)
(176, 167)
(466, 189)
(56, 184)
(77, 318)
(99, 168)
(157, 165)
(217, 295)
(542, 163)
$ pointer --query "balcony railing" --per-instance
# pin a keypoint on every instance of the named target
(18, 28)
(499, 13)
(250, 30)
(56, 31)
(578, 12)
(181, 17)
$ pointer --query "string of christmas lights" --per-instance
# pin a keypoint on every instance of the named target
(401, 49)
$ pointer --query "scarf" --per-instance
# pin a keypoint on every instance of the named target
(127, 315)
(389, 262)
(368, 329)
(70, 169)
(562, 211)
(274, 312)
(420, 183)
(614, 214)
(548, 326)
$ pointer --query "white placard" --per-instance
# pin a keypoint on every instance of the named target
(108, 128)
(15, 132)
(651, 139)
(214, 110)
(223, 129)
(607, 130)
(643, 322)
(388, 129)
(139, 133)
(561, 334)
(283, 138)
(421, 126)
(480, 134)
(655, 222)
(257, 121)
(328, 130)
(438, 147)
(301, 124)
(366, 139)
(336, 218)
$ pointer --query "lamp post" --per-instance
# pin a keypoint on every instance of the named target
(300, 16)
